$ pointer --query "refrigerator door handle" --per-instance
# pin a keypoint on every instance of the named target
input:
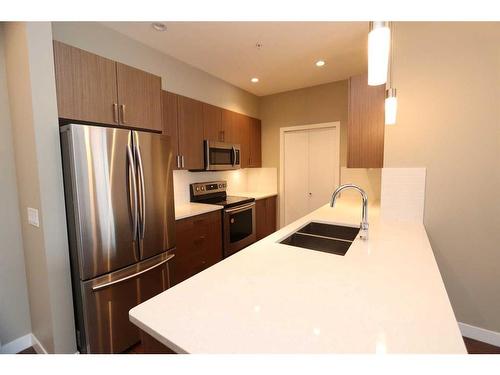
(143, 192)
(133, 187)
(105, 285)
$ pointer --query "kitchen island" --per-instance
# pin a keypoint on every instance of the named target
(385, 295)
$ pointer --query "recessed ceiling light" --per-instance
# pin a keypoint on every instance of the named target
(320, 63)
(254, 80)
(158, 26)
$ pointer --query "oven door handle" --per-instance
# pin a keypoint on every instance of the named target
(239, 208)
(233, 151)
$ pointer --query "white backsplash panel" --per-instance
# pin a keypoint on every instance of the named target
(403, 194)
(240, 180)
(262, 179)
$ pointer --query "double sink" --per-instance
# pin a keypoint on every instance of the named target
(328, 238)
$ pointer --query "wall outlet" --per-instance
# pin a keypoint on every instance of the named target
(33, 217)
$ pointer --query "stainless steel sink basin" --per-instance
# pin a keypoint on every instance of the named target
(329, 238)
(330, 230)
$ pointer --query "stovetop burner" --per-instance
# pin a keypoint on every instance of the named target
(227, 201)
(215, 193)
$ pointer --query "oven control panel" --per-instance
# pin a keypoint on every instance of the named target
(204, 188)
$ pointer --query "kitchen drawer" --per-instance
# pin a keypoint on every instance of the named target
(199, 245)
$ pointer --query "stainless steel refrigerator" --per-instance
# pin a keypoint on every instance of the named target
(121, 224)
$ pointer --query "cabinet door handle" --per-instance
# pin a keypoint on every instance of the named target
(122, 107)
(223, 135)
(177, 160)
(115, 113)
(182, 161)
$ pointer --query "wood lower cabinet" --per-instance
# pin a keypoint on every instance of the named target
(366, 124)
(86, 85)
(265, 212)
(190, 126)
(138, 98)
(91, 88)
(150, 345)
(199, 245)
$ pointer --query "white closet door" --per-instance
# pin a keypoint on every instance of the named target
(296, 166)
(323, 165)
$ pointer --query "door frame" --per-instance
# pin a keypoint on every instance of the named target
(283, 130)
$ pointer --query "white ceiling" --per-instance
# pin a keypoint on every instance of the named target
(285, 62)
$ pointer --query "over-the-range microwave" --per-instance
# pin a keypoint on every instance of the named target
(221, 156)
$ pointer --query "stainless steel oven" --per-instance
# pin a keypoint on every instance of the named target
(239, 228)
(220, 156)
(238, 214)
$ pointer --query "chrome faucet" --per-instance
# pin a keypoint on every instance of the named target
(363, 233)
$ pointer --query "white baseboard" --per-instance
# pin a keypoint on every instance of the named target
(17, 345)
(24, 342)
(480, 334)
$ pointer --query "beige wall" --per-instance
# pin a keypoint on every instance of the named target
(448, 81)
(177, 76)
(33, 108)
(312, 105)
(14, 306)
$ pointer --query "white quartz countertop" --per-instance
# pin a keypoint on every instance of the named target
(385, 295)
(192, 209)
(254, 194)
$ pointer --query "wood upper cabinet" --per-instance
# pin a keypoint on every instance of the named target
(241, 136)
(365, 126)
(265, 217)
(199, 245)
(92, 88)
(229, 126)
(245, 131)
(236, 130)
(190, 126)
(169, 120)
(138, 98)
(254, 142)
(212, 123)
(86, 85)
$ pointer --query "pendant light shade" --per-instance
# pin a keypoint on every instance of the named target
(379, 42)
(391, 106)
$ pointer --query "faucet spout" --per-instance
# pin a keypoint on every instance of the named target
(363, 233)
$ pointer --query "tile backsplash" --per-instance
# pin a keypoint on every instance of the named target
(403, 194)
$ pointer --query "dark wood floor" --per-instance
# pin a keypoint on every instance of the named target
(136, 349)
(478, 347)
(29, 350)
(473, 347)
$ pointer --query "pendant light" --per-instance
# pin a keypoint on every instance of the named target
(391, 100)
(379, 40)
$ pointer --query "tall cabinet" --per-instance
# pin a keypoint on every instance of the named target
(366, 124)
(190, 128)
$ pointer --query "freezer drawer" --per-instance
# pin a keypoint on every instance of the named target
(107, 300)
